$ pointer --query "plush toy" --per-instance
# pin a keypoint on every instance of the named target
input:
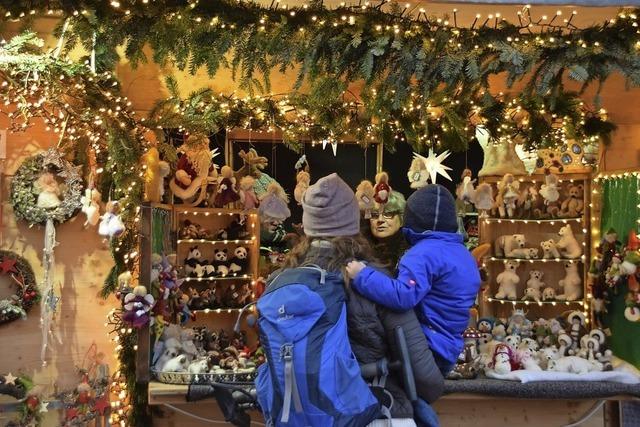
(418, 174)
(550, 194)
(568, 245)
(571, 284)
(303, 180)
(111, 224)
(193, 261)
(574, 364)
(573, 206)
(535, 280)
(519, 324)
(137, 305)
(531, 294)
(499, 332)
(505, 245)
(465, 190)
(155, 170)
(528, 253)
(513, 341)
(194, 169)
(503, 361)
(241, 295)
(274, 210)
(577, 329)
(526, 358)
(248, 196)
(507, 281)
(549, 249)
(220, 261)
(548, 294)
(365, 196)
(199, 366)
(91, 206)
(483, 198)
(564, 343)
(191, 230)
(235, 230)
(238, 263)
(484, 324)
(530, 344)
(382, 190)
(124, 280)
(48, 191)
(528, 201)
(187, 336)
(177, 364)
(507, 196)
(226, 193)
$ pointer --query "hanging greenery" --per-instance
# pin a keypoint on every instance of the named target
(25, 294)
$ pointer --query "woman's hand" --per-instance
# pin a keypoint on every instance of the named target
(354, 268)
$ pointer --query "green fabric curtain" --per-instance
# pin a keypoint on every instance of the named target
(620, 210)
(161, 231)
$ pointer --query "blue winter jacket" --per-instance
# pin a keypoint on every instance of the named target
(439, 278)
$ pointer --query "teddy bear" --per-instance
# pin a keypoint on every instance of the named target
(573, 364)
(155, 170)
(220, 262)
(137, 305)
(526, 357)
(364, 196)
(192, 261)
(549, 249)
(91, 206)
(513, 341)
(531, 294)
(568, 245)
(483, 198)
(239, 262)
(199, 366)
(573, 206)
(226, 193)
(303, 180)
(111, 224)
(535, 280)
(528, 253)
(571, 283)
(177, 364)
(508, 280)
(547, 354)
(507, 195)
(248, 196)
(382, 190)
(548, 294)
(505, 244)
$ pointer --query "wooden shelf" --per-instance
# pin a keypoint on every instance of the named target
(532, 260)
(531, 302)
(160, 393)
(563, 177)
(188, 210)
(532, 221)
(217, 310)
(212, 279)
(218, 242)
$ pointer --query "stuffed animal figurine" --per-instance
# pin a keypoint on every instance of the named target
(248, 197)
(576, 329)
(549, 249)
(226, 193)
(513, 341)
(137, 305)
(303, 180)
(155, 170)
(573, 206)
(507, 281)
(273, 210)
(564, 343)
(505, 245)
(571, 284)
(503, 361)
(382, 190)
(111, 224)
(527, 253)
(507, 196)
(220, 261)
(177, 364)
(365, 196)
(124, 280)
(526, 358)
(529, 343)
(499, 332)
(519, 324)
(199, 366)
(194, 169)
(483, 198)
(548, 294)
(568, 245)
(574, 364)
(417, 174)
(535, 280)
(532, 294)
(465, 190)
(550, 194)
(239, 262)
(192, 261)
(91, 206)
(48, 191)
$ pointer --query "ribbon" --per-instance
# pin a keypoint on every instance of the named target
(49, 302)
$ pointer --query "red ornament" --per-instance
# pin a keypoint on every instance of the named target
(32, 402)
(101, 405)
(8, 265)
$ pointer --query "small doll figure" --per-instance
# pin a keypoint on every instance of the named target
(111, 224)
(137, 305)
(365, 195)
(91, 206)
(508, 192)
(382, 190)
(466, 190)
(226, 193)
(248, 197)
(303, 179)
(549, 190)
(48, 191)
(483, 198)
(418, 174)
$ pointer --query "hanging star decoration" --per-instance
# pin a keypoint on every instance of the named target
(334, 145)
(10, 379)
(43, 407)
(8, 265)
(433, 164)
(52, 157)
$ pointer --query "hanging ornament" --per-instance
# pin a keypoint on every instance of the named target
(111, 224)
(91, 206)
(528, 157)
(24, 290)
(333, 143)
(433, 164)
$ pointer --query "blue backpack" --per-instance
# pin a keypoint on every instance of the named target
(311, 377)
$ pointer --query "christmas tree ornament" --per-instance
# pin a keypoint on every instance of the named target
(433, 164)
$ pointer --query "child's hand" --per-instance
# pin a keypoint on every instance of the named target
(354, 268)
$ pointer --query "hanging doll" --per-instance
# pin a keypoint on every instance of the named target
(91, 206)
(273, 212)
(137, 305)
(247, 195)
(303, 179)
(226, 193)
(418, 174)
(155, 170)
(483, 198)
(465, 190)
(111, 224)
(382, 190)
(365, 196)
(48, 191)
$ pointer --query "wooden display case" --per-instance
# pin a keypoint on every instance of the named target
(535, 231)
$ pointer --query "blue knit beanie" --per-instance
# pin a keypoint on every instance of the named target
(432, 208)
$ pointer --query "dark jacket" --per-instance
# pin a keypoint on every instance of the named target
(371, 333)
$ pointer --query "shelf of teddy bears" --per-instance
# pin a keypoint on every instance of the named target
(538, 229)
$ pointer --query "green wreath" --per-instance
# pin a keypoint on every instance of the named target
(46, 186)
(26, 295)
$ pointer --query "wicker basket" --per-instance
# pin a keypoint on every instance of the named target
(242, 375)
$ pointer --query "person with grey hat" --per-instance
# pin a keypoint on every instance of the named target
(331, 223)
(437, 277)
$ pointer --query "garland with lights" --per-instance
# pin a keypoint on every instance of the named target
(26, 295)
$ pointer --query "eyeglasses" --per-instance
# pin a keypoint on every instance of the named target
(385, 215)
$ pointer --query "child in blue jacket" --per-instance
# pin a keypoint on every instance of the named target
(437, 276)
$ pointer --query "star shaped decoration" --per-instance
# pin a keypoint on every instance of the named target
(43, 407)
(70, 173)
(433, 164)
(101, 405)
(8, 265)
(10, 379)
(51, 157)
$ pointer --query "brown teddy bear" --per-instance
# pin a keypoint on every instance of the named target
(573, 206)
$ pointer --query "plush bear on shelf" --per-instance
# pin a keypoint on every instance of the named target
(568, 245)
(549, 294)
(535, 280)
(220, 261)
(573, 206)
(192, 261)
(571, 284)
(239, 262)
(527, 253)
(549, 249)
(508, 281)
(532, 294)
(505, 245)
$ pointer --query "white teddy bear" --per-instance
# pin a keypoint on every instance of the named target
(507, 281)
(568, 245)
(571, 284)
(535, 280)
(528, 253)
(549, 249)
(532, 294)
(199, 366)
(573, 364)
(177, 364)
(549, 294)
(505, 245)
(513, 341)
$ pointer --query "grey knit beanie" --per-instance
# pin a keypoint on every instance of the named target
(330, 209)
(431, 208)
